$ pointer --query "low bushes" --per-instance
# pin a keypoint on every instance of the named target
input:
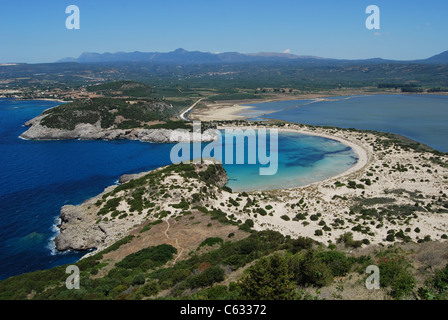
(206, 278)
(211, 241)
(158, 256)
(436, 287)
(394, 275)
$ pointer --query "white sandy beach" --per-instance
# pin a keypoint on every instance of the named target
(326, 199)
(390, 189)
(363, 154)
(221, 111)
(333, 202)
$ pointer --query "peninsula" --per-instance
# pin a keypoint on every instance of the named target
(110, 119)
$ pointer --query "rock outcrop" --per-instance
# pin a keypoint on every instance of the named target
(78, 230)
(85, 226)
(85, 131)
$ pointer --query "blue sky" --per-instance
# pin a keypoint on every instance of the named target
(34, 31)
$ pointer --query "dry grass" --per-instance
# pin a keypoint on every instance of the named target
(185, 235)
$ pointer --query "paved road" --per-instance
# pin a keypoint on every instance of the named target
(182, 115)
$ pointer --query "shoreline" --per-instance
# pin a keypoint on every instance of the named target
(39, 99)
(390, 187)
(220, 112)
(232, 109)
(334, 202)
(387, 182)
(364, 155)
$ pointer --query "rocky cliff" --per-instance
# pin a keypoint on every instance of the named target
(112, 119)
(108, 217)
(86, 131)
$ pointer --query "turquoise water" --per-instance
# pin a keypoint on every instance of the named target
(423, 118)
(38, 177)
(302, 159)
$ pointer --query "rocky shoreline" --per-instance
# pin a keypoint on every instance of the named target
(85, 131)
(392, 189)
(82, 227)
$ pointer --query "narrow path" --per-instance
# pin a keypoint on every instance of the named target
(176, 240)
(182, 115)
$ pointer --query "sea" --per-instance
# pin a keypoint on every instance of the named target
(37, 178)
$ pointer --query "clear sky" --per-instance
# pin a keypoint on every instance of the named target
(34, 30)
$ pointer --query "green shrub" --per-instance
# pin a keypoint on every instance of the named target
(390, 237)
(436, 287)
(217, 293)
(149, 225)
(299, 244)
(261, 211)
(339, 184)
(347, 239)
(351, 184)
(394, 275)
(158, 255)
(299, 216)
(308, 269)
(249, 223)
(337, 261)
(138, 280)
(269, 279)
(207, 278)
(181, 205)
(150, 289)
(227, 189)
(211, 241)
(113, 247)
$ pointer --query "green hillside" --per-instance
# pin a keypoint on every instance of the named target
(111, 113)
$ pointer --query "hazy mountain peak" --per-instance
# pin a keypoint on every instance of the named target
(183, 56)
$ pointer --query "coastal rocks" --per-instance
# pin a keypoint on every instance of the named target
(86, 131)
(128, 177)
(78, 230)
(85, 227)
(173, 136)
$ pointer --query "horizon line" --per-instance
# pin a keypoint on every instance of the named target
(289, 53)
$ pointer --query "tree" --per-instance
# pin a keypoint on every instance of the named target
(309, 269)
(268, 279)
(394, 274)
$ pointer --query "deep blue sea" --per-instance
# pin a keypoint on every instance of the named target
(38, 177)
(423, 118)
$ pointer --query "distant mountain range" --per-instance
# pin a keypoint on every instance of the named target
(182, 56)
